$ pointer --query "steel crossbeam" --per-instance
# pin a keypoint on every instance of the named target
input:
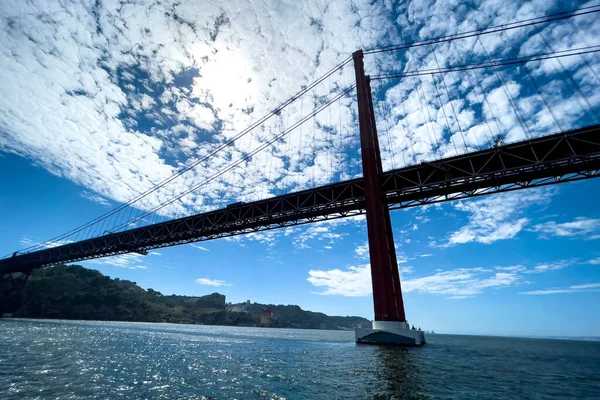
(563, 157)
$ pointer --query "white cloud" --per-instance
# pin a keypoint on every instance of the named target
(197, 246)
(588, 287)
(462, 282)
(117, 97)
(95, 198)
(513, 268)
(353, 281)
(457, 283)
(267, 238)
(125, 261)
(29, 241)
(362, 251)
(496, 218)
(211, 282)
(595, 261)
(324, 231)
(553, 266)
(581, 226)
(57, 243)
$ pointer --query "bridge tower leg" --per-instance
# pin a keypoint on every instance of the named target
(390, 326)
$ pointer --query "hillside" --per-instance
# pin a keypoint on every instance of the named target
(75, 292)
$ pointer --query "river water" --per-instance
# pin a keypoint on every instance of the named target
(112, 360)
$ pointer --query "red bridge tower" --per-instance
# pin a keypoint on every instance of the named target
(390, 325)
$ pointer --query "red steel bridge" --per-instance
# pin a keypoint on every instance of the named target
(570, 155)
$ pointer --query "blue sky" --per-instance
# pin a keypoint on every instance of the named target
(102, 102)
(559, 242)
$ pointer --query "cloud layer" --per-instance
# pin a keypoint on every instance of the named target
(117, 97)
(211, 282)
(588, 287)
(456, 283)
(496, 218)
(580, 227)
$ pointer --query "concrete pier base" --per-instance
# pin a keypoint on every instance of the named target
(390, 333)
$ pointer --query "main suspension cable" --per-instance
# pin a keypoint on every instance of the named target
(245, 158)
(494, 63)
(487, 31)
(225, 144)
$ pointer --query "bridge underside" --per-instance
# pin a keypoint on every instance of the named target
(563, 157)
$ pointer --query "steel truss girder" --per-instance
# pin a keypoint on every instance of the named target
(558, 158)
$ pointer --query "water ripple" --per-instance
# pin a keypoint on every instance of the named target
(111, 360)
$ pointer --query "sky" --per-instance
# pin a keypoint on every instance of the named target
(103, 100)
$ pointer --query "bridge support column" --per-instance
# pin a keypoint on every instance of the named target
(390, 325)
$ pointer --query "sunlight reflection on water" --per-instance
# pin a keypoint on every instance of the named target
(114, 360)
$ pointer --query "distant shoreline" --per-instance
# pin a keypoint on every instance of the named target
(32, 319)
(77, 293)
(592, 339)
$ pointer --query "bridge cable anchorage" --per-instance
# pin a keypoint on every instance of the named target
(197, 162)
(249, 155)
(486, 31)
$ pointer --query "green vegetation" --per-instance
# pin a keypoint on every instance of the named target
(75, 292)
(294, 317)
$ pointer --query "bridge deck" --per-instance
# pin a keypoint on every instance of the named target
(562, 157)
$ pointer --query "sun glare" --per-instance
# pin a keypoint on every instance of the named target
(227, 78)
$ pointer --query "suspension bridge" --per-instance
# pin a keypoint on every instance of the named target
(457, 116)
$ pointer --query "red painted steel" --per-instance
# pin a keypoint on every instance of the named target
(387, 294)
